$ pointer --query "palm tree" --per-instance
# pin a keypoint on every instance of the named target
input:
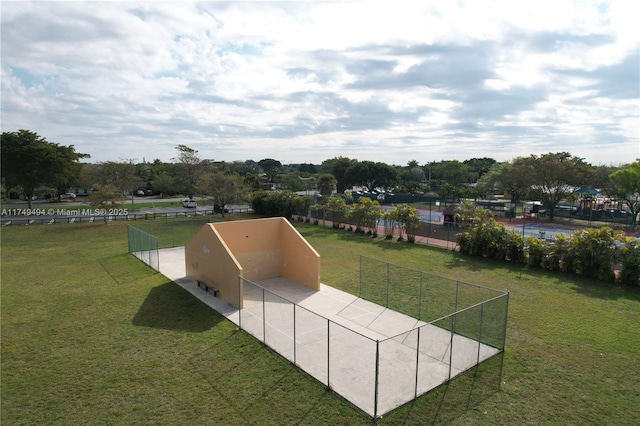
(326, 184)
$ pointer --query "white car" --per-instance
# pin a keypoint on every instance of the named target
(68, 196)
(190, 204)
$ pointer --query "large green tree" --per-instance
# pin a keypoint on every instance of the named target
(111, 180)
(28, 161)
(119, 174)
(452, 171)
(412, 178)
(479, 166)
(190, 168)
(338, 168)
(509, 178)
(225, 188)
(555, 176)
(627, 187)
(271, 168)
(600, 179)
(373, 175)
(293, 182)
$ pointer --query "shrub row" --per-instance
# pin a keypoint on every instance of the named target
(595, 253)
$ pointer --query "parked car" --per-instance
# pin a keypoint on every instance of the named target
(190, 204)
(140, 193)
(68, 196)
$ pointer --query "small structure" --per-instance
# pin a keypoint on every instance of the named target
(449, 215)
(222, 254)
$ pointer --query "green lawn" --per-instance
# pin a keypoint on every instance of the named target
(90, 335)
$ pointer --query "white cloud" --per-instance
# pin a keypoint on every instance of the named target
(306, 81)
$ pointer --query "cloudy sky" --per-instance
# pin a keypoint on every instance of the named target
(302, 82)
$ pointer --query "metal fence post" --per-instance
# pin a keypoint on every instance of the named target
(264, 320)
(388, 284)
(420, 300)
(240, 302)
(504, 324)
(457, 288)
(157, 255)
(148, 249)
(480, 331)
(360, 279)
(328, 353)
(417, 361)
(453, 328)
(375, 393)
(504, 337)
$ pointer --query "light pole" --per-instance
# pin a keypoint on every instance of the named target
(523, 217)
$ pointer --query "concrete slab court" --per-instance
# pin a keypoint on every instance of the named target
(376, 358)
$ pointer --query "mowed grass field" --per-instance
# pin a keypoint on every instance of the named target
(90, 335)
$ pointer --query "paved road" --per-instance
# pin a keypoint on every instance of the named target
(17, 212)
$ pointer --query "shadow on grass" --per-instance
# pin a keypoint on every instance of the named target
(170, 307)
(604, 290)
(257, 385)
(449, 401)
(586, 286)
(474, 264)
(124, 268)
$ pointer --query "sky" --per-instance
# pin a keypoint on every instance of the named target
(302, 82)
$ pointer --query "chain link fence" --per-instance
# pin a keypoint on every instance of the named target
(455, 327)
(174, 233)
(144, 246)
(146, 238)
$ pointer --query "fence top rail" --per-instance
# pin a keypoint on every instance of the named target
(448, 316)
(140, 230)
(308, 310)
(501, 292)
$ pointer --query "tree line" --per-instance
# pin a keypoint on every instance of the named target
(30, 161)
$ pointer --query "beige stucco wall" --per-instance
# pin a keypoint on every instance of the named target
(300, 261)
(208, 259)
(256, 249)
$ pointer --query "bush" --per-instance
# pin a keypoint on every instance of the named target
(274, 204)
(490, 238)
(536, 250)
(464, 242)
(557, 257)
(592, 252)
(513, 246)
(630, 261)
